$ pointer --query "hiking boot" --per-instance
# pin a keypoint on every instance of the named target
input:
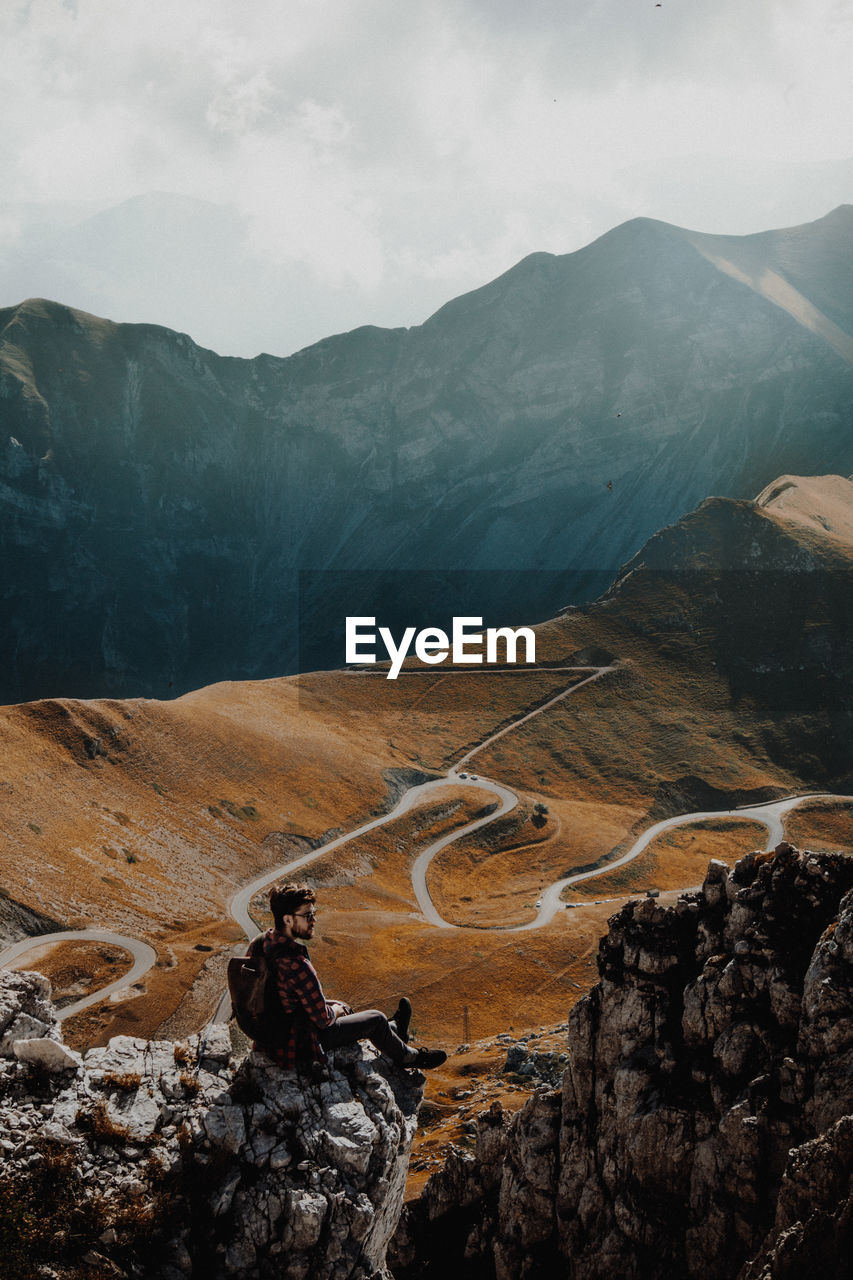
(426, 1058)
(401, 1017)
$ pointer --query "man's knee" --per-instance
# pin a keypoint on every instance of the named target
(371, 1019)
(360, 1025)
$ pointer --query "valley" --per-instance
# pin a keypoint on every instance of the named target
(469, 832)
(155, 820)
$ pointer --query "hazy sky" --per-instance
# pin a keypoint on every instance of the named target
(323, 163)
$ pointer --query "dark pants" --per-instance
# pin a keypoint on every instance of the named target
(368, 1024)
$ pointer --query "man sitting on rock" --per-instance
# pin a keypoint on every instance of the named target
(311, 1023)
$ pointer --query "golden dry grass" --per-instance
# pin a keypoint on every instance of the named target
(76, 968)
(372, 945)
(156, 996)
(145, 817)
(821, 827)
(507, 980)
(485, 883)
(676, 859)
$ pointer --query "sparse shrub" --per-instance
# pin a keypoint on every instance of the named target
(182, 1054)
(40, 1079)
(190, 1083)
(540, 814)
(34, 826)
(43, 1217)
(101, 1125)
(130, 856)
(126, 1081)
(46, 1223)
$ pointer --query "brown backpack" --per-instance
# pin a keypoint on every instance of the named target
(255, 1003)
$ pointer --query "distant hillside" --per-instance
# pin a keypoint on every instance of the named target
(735, 626)
(166, 514)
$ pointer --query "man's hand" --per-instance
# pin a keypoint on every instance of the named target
(340, 1009)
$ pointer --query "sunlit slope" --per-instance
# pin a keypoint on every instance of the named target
(144, 812)
(727, 643)
(730, 637)
(823, 504)
(736, 628)
(150, 811)
(809, 276)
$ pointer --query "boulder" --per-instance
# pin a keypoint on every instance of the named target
(182, 1161)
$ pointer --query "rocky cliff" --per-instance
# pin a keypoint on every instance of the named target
(162, 1161)
(704, 1127)
(165, 513)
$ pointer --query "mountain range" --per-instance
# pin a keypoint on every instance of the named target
(170, 517)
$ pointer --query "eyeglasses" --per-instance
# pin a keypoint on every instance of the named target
(305, 915)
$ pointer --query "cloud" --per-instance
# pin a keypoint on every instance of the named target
(384, 147)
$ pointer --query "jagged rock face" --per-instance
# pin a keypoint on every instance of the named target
(704, 1124)
(160, 502)
(18, 921)
(25, 1010)
(175, 1161)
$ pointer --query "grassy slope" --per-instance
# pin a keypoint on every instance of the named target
(145, 816)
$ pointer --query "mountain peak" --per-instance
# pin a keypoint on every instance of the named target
(823, 504)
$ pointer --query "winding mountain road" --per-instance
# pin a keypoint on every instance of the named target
(771, 815)
(144, 957)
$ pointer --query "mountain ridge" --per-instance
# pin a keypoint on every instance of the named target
(550, 421)
(840, 217)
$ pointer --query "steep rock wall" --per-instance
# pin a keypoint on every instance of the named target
(705, 1124)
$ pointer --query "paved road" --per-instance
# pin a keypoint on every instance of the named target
(507, 800)
(770, 815)
(239, 904)
(144, 957)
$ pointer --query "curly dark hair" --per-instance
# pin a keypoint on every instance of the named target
(286, 899)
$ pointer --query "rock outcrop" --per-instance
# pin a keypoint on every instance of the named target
(162, 1160)
(704, 1127)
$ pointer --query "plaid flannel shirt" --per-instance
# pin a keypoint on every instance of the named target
(302, 1001)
